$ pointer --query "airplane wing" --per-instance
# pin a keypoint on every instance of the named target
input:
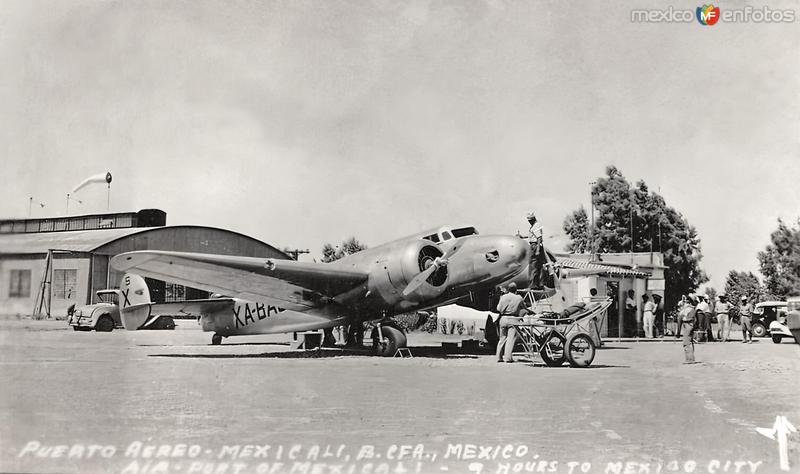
(284, 283)
(193, 307)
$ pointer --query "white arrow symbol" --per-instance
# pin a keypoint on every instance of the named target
(780, 431)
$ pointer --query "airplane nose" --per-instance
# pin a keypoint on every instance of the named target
(513, 251)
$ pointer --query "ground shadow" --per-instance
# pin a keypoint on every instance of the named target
(429, 352)
(285, 344)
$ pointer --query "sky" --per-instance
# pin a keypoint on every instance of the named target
(305, 122)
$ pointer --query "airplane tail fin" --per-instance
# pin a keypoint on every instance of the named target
(135, 304)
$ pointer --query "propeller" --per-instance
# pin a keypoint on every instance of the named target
(432, 266)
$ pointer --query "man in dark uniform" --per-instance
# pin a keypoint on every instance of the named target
(745, 312)
(687, 317)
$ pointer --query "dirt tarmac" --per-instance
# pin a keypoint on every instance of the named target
(167, 401)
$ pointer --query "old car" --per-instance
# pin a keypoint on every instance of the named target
(764, 314)
(103, 316)
(779, 329)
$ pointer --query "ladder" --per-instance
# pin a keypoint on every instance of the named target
(44, 294)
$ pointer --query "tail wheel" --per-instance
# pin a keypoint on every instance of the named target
(393, 339)
(759, 330)
(216, 340)
(553, 352)
(104, 324)
(776, 338)
(580, 350)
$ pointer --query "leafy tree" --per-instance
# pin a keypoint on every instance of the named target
(576, 226)
(632, 218)
(349, 246)
(780, 261)
(740, 284)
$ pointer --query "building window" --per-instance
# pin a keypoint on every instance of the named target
(20, 284)
(64, 284)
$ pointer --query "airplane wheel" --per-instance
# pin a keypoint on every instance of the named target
(393, 339)
(104, 324)
(553, 353)
(776, 338)
(580, 350)
(216, 340)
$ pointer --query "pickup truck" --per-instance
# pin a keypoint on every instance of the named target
(103, 316)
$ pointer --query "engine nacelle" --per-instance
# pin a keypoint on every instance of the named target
(399, 266)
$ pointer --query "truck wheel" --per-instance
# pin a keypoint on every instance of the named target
(776, 338)
(759, 330)
(104, 324)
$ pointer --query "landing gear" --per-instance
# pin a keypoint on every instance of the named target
(216, 339)
(387, 339)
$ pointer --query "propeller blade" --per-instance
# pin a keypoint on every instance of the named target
(438, 263)
(419, 279)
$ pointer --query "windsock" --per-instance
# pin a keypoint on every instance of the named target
(98, 178)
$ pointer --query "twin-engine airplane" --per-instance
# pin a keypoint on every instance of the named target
(272, 295)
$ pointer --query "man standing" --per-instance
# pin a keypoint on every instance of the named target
(745, 312)
(510, 308)
(723, 308)
(703, 317)
(631, 318)
(686, 316)
(661, 325)
(649, 317)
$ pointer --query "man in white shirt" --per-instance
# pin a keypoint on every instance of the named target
(703, 316)
(649, 317)
(723, 309)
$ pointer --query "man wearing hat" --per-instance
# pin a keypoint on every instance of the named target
(687, 316)
(510, 308)
(722, 309)
(745, 312)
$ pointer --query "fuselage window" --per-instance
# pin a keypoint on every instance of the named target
(464, 231)
(446, 235)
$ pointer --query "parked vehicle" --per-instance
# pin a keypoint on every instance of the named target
(778, 329)
(103, 316)
(764, 314)
(793, 317)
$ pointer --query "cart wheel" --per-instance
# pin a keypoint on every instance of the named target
(552, 351)
(580, 350)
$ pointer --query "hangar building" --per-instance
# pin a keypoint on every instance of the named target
(64, 260)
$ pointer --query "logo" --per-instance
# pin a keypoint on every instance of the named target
(707, 14)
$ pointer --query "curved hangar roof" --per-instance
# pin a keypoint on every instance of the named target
(114, 241)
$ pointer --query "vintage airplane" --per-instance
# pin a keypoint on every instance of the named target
(271, 295)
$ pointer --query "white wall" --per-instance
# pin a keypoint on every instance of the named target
(24, 305)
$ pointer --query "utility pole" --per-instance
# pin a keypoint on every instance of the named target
(295, 253)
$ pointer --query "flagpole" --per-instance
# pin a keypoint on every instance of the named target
(30, 205)
(67, 203)
(108, 198)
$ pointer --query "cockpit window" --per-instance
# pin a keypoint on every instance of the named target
(433, 238)
(464, 231)
(446, 235)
